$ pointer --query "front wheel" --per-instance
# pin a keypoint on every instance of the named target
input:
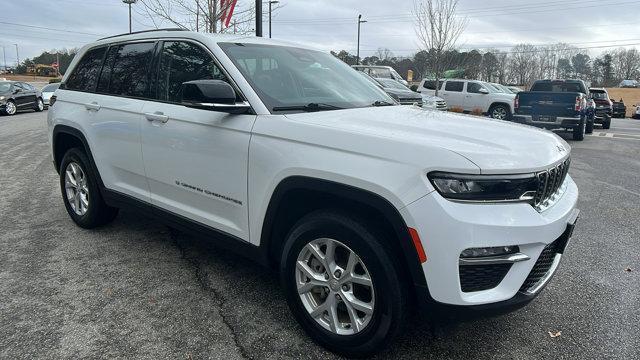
(342, 283)
(500, 112)
(589, 127)
(10, 108)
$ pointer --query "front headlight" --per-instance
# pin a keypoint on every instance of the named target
(428, 103)
(1, 98)
(485, 188)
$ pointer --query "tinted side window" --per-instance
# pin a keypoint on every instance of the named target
(454, 86)
(128, 73)
(85, 74)
(181, 62)
(105, 75)
(473, 87)
(429, 84)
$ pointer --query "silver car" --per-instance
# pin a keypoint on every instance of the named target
(48, 91)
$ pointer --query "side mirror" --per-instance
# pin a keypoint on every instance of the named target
(483, 91)
(16, 91)
(215, 95)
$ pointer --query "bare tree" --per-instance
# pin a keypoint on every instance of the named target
(200, 15)
(438, 29)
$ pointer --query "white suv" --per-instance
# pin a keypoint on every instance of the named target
(291, 157)
(472, 96)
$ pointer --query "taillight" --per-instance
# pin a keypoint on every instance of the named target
(52, 100)
(516, 103)
(578, 103)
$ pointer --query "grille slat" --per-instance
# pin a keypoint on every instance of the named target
(541, 267)
(550, 182)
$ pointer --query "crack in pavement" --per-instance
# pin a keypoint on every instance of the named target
(214, 293)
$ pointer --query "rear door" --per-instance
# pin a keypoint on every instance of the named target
(195, 159)
(452, 93)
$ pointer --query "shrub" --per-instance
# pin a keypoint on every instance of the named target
(56, 80)
(477, 112)
(456, 109)
(414, 87)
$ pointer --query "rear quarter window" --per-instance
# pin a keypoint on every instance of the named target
(454, 86)
(125, 70)
(85, 74)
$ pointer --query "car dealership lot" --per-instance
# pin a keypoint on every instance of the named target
(139, 289)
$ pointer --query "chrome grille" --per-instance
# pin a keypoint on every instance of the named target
(550, 184)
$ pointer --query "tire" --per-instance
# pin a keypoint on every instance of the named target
(10, 108)
(579, 131)
(606, 123)
(389, 289)
(500, 112)
(88, 209)
(39, 105)
(589, 128)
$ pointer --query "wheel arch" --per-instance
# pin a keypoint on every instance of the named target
(297, 196)
(66, 137)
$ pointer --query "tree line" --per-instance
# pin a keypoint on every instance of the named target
(521, 65)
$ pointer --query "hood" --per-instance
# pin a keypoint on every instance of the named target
(403, 94)
(496, 147)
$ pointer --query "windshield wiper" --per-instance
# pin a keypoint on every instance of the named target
(382, 103)
(308, 107)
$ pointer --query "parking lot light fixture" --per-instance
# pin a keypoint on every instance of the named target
(129, 2)
(360, 21)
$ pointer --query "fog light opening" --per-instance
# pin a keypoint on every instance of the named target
(489, 251)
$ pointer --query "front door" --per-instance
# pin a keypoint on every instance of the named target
(195, 160)
(475, 100)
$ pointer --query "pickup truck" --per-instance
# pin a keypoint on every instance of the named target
(555, 104)
(619, 109)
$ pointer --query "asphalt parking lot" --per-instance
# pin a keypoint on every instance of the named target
(136, 289)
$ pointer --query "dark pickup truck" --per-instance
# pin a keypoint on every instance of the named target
(555, 104)
(619, 109)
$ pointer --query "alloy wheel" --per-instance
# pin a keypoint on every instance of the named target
(10, 108)
(76, 188)
(40, 105)
(335, 286)
(499, 113)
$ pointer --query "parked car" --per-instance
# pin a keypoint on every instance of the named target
(514, 89)
(433, 102)
(637, 113)
(628, 84)
(48, 91)
(290, 157)
(379, 71)
(18, 96)
(555, 104)
(400, 92)
(619, 109)
(604, 106)
(472, 95)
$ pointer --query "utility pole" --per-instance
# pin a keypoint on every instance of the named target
(360, 21)
(17, 57)
(197, 16)
(58, 64)
(4, 57)
(259, 18)
(129, 2)
(270, 3)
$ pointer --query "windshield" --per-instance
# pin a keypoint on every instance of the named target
(393, 84)
(51, 87)
(287, 76)
(5, 86)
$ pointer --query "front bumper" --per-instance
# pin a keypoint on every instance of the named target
(557, 123)
(447, 228)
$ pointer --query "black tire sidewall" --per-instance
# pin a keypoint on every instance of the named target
(578, 132)
(390, 294)
(506, 109)
(5, 109)
(94, 215)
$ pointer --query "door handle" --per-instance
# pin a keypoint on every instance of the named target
(157, 116)
(92, 106)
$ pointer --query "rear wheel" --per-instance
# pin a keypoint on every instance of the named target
(606, 123)
(579, 131)
(39, 105)
(79, 187)
(589, 127)
(342, 285)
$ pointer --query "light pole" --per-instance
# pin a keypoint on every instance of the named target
(129, 2)
(4, 57)
(360, 21)
(270, 3)
(17, 56)
(259, 18)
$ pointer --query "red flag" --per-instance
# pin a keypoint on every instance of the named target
(223, 15)
(229, 12)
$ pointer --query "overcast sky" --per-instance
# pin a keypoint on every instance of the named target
(331, 24)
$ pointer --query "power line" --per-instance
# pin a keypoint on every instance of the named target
(50, 29)
(531, 51)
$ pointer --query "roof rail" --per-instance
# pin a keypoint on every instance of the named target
(144, 31)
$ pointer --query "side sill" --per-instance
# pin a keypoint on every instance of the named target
(198, 230)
